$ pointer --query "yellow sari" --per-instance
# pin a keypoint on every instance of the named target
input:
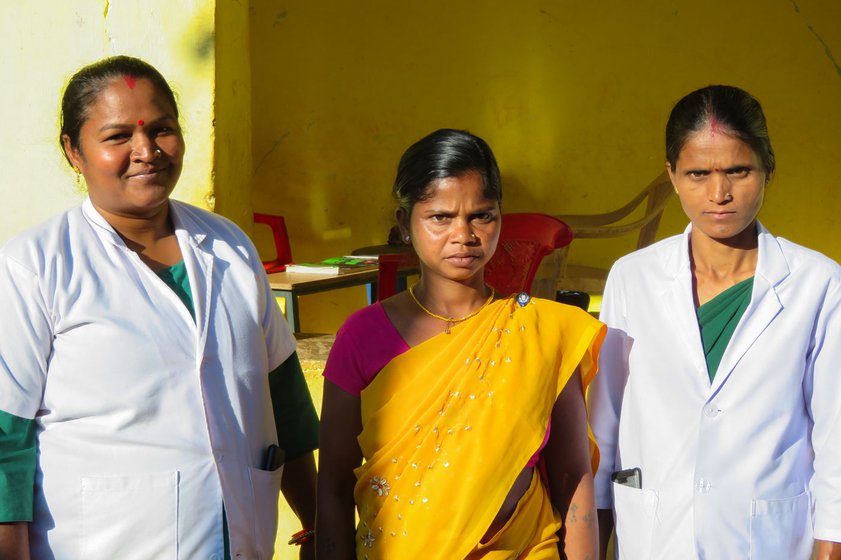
(448, 425)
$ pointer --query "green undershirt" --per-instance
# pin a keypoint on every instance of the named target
(18, 457)
(295, 419)
(176, 278)
(718, 319)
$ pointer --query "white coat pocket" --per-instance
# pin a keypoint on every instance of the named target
(635, 511)
(266, 488)
(130, 517)
(781, 529)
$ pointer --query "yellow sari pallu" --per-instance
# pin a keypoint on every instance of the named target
(448, 425)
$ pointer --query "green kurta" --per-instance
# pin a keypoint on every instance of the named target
(18, 456)
(718, 319)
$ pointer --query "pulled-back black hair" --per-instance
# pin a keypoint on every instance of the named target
(444, 153)
(733, 109)
(86, 84)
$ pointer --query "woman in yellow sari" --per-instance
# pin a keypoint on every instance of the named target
(453, 418)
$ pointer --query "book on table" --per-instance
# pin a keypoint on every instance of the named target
(335, 265)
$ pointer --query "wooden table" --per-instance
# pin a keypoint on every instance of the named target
(290, 285)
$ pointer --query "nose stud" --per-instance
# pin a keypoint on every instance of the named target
(728, 197)
(158, 151)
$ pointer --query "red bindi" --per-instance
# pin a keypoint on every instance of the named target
(140, 122)
(130, 80)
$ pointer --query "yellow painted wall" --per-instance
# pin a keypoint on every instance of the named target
(232, 114)
(572, 96)
(44, 43)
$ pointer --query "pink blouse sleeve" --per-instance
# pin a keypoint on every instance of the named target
(365, 343)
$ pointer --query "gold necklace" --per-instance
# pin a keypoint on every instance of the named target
(451, 320)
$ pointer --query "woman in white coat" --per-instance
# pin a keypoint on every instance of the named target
(146, 374)
(717, 408)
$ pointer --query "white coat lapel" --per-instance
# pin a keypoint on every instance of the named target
(679, 305)
(199, 264)
(101, 227)
(764, 306)
(201, 276)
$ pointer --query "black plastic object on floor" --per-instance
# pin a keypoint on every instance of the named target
(578, 299)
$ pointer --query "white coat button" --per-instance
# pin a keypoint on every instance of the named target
(711, 411)
(702, 486)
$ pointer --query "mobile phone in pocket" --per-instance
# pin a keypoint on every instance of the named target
(628, 477)
(273, 458)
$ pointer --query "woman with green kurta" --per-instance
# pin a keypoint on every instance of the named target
(148, 381)
(717, 403)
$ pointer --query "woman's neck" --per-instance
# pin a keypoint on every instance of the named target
(716, 266)
(151, 237)
(449, 297)
(718, 259)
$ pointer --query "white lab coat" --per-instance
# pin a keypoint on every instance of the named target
(748, 466)
(147, 420)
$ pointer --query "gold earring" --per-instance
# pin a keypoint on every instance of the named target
(78, 176)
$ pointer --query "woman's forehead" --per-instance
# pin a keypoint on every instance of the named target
(469, 187)
(126, 95)
(711, 140)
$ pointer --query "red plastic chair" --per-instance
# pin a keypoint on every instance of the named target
(283, 249)
(389, 264)
(525, 239)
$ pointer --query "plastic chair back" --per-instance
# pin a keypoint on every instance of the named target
(283, 249)
(656, 195)
(524, 241)
(654, 198)
(389, 264)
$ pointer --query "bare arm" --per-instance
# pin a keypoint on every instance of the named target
(298, 486)
(339, 454)
(827, 550)
(570, 475)
(14, 540)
